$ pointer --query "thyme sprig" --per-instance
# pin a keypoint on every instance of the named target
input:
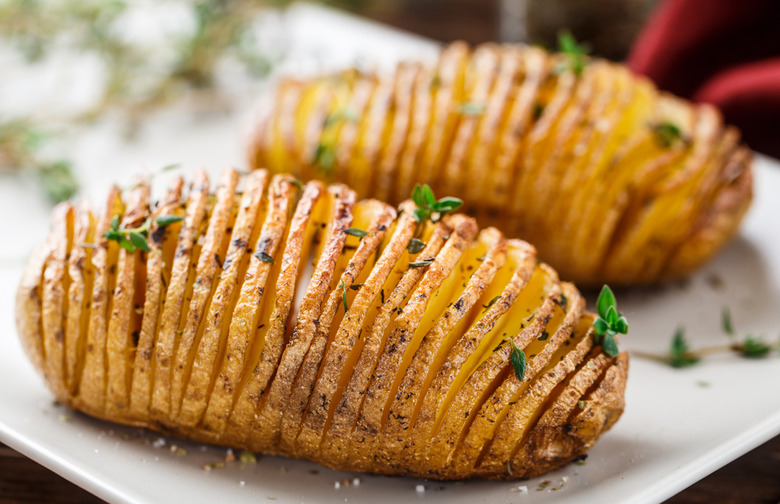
(609, 323)
(132, 239)
(681, 355)
(576, 53)
(428, 207)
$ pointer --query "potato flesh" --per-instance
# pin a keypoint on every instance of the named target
(532, 148)
(258, 351)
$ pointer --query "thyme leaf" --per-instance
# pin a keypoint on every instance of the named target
(518, 360)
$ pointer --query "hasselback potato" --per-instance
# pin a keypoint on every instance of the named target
(293, 319)
(612, 180)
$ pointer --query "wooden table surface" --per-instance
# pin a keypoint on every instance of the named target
(752, 479)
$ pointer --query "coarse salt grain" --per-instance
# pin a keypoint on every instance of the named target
(420, 488)
(337, 485)
(356, 482)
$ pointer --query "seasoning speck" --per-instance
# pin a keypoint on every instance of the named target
(356, 482)
(158, 443)
(247, 457)
(419, 489)
(523, 489)
(337, 485)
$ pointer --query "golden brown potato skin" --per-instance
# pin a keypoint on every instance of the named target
(204, 336)
(587, 166)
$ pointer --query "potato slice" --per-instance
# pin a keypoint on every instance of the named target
(475, 272)
(123, 324)
(280, 389)
(81, 276)
(209, 348)
(526, 406)
(476, 439)
(404, 99)
(338, 345)
(448, 95)
(536, 146)
(55, 299)
(521, 118)
(497, 105)
(480, 76)
(210, 265)
(379, 317)
(91, 391)
(414, 318)
(714, 228)
(465, 357)
(271, 338)
(399, 187)
(159, 263)
(354, 116)
(245, 322)
(578, 413)
(175, 309)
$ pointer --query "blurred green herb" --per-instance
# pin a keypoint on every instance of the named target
(680, 354)
(666, 134)
(22, 149)
(576, 54)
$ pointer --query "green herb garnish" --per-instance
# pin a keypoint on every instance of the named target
(576, 54)
(609, 323)
(680, 354)
(340, 115)
(471, 109)
(667, 133)
(325, 157)
(421, 264)
(725, 319)
(132, 239)
(165, 220)
(297, 183)
(415, 246)
(491, 303)
(356, 232)
(428, 207)
(517, 358)
(344, 295)
(264, 257)
(753, 348)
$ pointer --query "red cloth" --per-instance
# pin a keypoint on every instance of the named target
(725, 52)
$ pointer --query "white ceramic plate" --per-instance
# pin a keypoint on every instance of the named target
(679, 425)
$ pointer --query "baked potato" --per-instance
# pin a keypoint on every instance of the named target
(294, 319)
(612, 180)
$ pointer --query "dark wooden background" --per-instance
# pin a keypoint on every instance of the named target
(751, 479)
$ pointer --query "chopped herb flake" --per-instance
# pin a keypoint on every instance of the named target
(517, 358)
